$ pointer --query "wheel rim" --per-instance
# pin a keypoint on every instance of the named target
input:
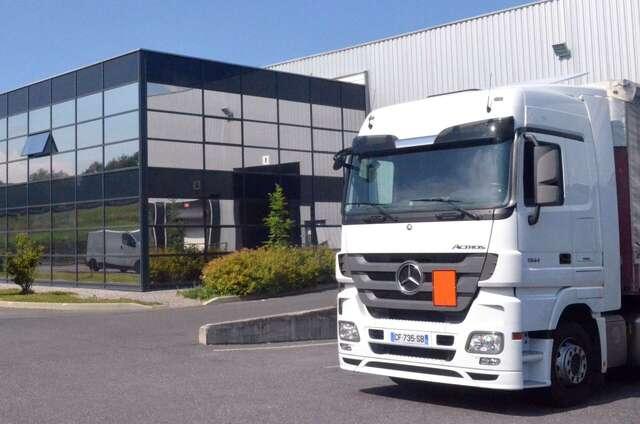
(571, 363)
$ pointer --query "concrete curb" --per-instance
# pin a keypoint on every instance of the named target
(77, 306)
(315, 324)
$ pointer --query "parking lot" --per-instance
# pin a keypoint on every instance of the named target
(145, 367)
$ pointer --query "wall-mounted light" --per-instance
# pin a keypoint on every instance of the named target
(561, 51)
(227, 112)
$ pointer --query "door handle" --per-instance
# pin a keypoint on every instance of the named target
(565, 258)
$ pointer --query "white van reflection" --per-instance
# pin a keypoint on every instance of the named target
(121, 249)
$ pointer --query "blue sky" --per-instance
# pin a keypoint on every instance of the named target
(43, 38)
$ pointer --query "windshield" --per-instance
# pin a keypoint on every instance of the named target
(456, 177)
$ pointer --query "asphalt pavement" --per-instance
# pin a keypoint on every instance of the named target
(146, 367)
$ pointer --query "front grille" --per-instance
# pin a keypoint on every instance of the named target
(395, 294)
(416, 352)
(450, 317)
(443, 258)
(411, 368)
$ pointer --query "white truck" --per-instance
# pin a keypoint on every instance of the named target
(492, 239)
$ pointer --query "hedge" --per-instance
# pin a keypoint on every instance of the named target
(267, 271)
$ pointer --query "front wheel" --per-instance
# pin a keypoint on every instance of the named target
(574, 366)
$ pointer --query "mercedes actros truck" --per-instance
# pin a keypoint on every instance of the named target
(492, 239)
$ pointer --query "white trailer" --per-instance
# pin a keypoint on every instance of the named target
(491, 239)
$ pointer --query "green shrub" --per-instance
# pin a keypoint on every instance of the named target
(22, 265)
(278, 222)
(267, 271)
(181, 266)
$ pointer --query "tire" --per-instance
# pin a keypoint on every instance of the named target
(136, 267)
(575, 369)
(93, 265)
(123, 270)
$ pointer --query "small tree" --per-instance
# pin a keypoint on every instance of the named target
(278, 221)
(22, 265)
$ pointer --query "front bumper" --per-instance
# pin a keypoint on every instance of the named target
(493, 310)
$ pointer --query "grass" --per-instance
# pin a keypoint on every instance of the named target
(13, 295)
(197, 293)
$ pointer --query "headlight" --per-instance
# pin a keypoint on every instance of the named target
(485, 343)
(348, 331)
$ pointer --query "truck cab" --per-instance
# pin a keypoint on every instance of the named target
(481, 241)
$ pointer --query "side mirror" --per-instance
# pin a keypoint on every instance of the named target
(547, 181)
(340, 159)
(548, 175)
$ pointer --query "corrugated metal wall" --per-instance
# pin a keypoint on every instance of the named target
(509, 46)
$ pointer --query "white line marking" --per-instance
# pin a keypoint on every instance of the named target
(331, 366)
(242, 349)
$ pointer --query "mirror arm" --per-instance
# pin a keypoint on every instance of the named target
(535, 216)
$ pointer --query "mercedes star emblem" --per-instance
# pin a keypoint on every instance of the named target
(409, 277)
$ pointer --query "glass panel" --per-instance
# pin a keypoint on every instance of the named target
(43, 270)
(40, 169)
(259, 108)
(258, 134)
(174, 127)
(222, 239)
(63, 165)
(91, 256)
(64, 113)
(64, 216)
(63, 190)
(90, 215)
(3, 151)
(295, 113)
(304, 160)
(329, 141)
(3, 128)
(223, 131)
(43, 238)
(223, 158)
(326, 117)
(90, 134)
(39, 193)
(121, 155)
(64, 268)
(65, 138)
(216, 103)
(17, 219)
(221, 212)
(90, 161)
(90, 107)
(18, 125)
(353, 119)
(89, 187)
(328, 213)
(181, 211)
(15, 148)
(166, 154)
(295, 137)
(260, 157)
(329, 236)
(39, 120)
(3, 181)
(121, 184)
(323, 165)
(175, 239)
(17, 172)
(39, 218)
(174, 98)
(122, 213)
(121, 99)
(121, 127)
(64, 242)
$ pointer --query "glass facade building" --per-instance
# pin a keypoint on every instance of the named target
(144, 155)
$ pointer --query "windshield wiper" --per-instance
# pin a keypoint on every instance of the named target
(450, 202)
(379, 206)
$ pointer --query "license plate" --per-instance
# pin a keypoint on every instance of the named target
(410, 339)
